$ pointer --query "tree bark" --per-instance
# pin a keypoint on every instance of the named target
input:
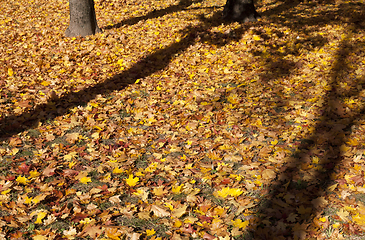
(240, 10)
(82, 19)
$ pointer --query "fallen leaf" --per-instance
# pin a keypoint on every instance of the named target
(160, 211)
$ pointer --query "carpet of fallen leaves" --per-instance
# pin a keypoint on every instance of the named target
(172, 124)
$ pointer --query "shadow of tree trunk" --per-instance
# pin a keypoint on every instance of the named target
(298, 193)
(60, 105)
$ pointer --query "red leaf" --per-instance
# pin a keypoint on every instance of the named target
(358, 180)
(187, 229)
(208, 236)
(206, 219)
(10, 178)
(24, 168)
(69, 172)
(226, 181)
(78, 217)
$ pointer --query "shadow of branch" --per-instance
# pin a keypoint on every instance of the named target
(299, 186)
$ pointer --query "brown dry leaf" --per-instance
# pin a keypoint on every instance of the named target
(113, 232)
(343, 214)
(160, 211)
(72, 137)
(320, 202)
(115, 199)
(208, 236)
(144, 215)
(236, 231)
(93, 231)
(268, 174)
(300, 230)
(49, 171)
(159, 191)
(15, 142)
(177, 213)
(133, 236)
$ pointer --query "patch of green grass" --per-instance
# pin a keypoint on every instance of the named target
(25, 153)
(85, 187)
(34, 133)
(330, 211)
(360, 197)
(59, 226)
(299, 185)
(141, 162)
(178, 197)
(31, 227)
(58, 140)
(141, 225)
(244, 236)
(105, 205)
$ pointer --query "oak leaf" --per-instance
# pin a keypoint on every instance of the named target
(160, 211)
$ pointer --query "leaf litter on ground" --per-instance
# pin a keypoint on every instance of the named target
(172, 124)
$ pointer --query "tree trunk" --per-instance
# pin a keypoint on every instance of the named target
(82, 19)
(240, 10)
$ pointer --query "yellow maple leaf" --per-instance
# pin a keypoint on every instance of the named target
(315, 160)
(224, 192)
(38, 198)
(5, 192)
(150, 232)
(336, 225)
(139, 192)
(70, 156)
(131, 181)
(177, 189)
(22, 180)
(352, 142)
(113, 233)
(10, 72)
(71, 164)
(40, 216)
(233, 98)
(85, 180)
(28, 200)
(359, 219)
(239, 223)
(235, 192)
(118, 170)
(34, 174)
(45, 83)
(177, 223)
(256, 38)
(171, 207)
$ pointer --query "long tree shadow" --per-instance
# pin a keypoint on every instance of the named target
(60, 105)
(330, 133)
(297, 196)
(182, 5)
